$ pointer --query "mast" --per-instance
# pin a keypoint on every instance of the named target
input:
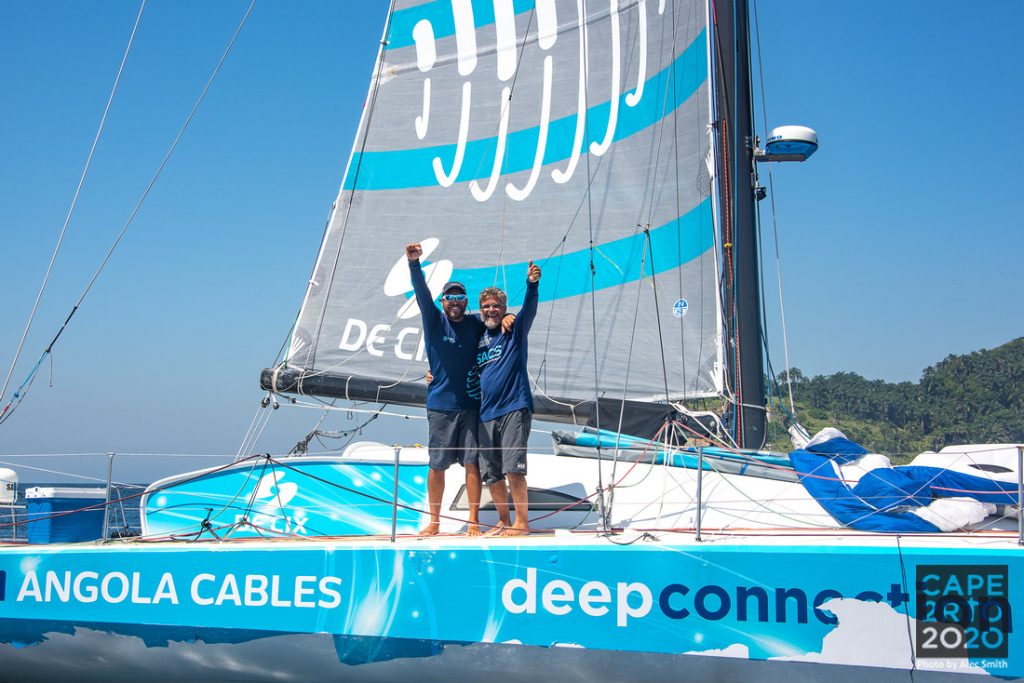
(734, 129)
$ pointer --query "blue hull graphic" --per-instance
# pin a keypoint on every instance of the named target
(263, 499)
(853, 602)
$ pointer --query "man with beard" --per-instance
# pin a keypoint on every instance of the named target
(453, 394)
(506, 402)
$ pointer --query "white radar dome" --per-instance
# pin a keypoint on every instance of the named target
(8, 486)
(791, 143)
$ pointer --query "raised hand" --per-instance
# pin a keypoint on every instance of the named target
(413, 251)
(533, 273)
(508, 322)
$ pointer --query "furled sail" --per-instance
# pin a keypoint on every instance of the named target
(568, 132)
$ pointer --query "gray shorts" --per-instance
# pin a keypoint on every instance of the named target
(452, 437)
(503, 445)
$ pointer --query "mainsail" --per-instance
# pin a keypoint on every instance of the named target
(573, 133)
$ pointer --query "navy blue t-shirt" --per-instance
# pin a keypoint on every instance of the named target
(451, 350)
(504, 384)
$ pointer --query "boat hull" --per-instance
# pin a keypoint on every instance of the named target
(453, 608)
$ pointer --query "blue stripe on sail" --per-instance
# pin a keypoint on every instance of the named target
(439, 14)
(616, 263)
(406, 168)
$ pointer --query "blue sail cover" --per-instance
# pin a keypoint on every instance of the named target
(881, 499)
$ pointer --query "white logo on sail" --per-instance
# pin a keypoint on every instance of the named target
(507, 60)
(406, 343)
(399, 284)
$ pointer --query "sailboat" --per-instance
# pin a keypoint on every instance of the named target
(610, 143)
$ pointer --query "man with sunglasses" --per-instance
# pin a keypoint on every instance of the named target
(453, 394)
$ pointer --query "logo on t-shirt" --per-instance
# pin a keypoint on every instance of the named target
(488, 355)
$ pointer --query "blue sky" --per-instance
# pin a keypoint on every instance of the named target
(900, 239)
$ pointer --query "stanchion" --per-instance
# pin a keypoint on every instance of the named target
(394, 504)
(106, 506)
(1020, 495)
(700, 479)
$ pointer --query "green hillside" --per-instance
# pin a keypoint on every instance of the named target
(974, 398)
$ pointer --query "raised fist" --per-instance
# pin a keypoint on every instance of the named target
(413, 251)
(533, 274)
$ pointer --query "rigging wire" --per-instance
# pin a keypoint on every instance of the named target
(258, 433)
(657, 312)
(906, 609)
(252, 425)
(678, 212)
(629, 366)
(133, 496)
(8, 410)
(266, 461)
(302, 447)
(669, 451)
(759, 245)
(834, 477)
(500, 263)
(702, 142)
(657, 145)
(71, 211)
(64, 473)
(371, 107)
(775, 226)
(593, 283)
(670, 446)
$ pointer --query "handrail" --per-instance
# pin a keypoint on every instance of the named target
(106, 501)
(1020, 495)
(700, 480)
(394, 504)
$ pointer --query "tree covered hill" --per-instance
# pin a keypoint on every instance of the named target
(974, 398)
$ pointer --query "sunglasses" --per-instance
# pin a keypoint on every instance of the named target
(454, 297)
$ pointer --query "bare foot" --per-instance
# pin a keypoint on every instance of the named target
(430, 529)
(516, 530)
(472, 529)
